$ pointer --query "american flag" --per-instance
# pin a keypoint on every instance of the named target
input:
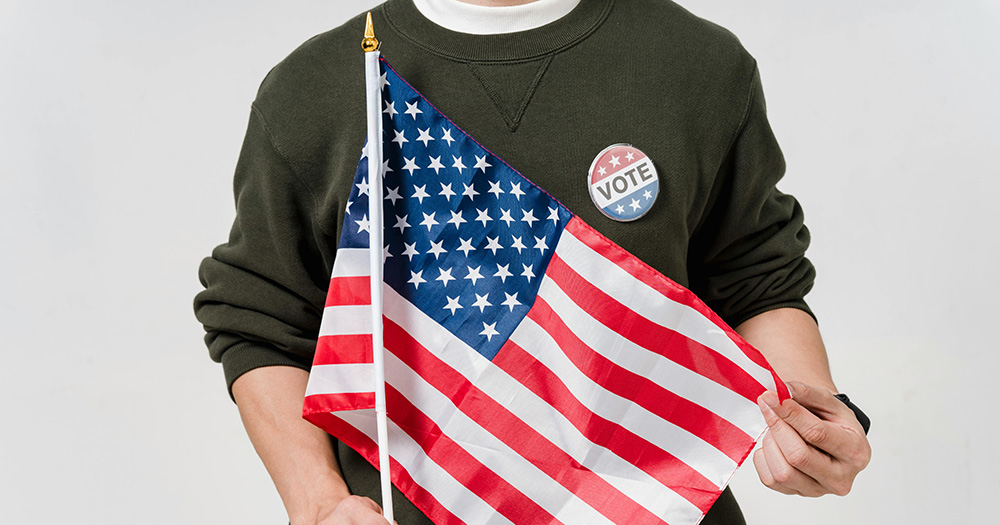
(535, 371)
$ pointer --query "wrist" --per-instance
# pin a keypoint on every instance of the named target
(309, 512)
(315, 499)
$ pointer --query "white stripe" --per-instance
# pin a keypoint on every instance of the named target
(341, 379)
(346, 320)
(651, 304)
(351, 262)
(685, 446)
(544, 419)
(451, 494)
(487, 448)
(680, 380)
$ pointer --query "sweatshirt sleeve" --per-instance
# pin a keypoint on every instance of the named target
(748, 254)
(265, 289)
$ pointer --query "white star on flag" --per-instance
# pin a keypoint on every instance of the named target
(553, 215)
(528, 216)
(489, 330)
(483, 216)
(401, 223)
(481, 302)
(435, 164)
(393, 195)
(481, 163)
(540, 244)
(363, 187)
(503, 272)
(511, 301)
(447, 136)
(437, 249)
(411, 165)
(446, 191)
(470, 191)
(515, 190)
(452, 305)
(363, 224)
(416, 279)
(445, 276)
(429, 221)
(390, 109)
(411, 250)
(424, 136)
(518, 244)
(412, 110)
(421, 193)
(456, 218)
(466, 246)
(474, 275)
(493, 244)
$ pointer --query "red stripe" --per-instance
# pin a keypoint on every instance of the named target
(339, 401)
(696, 419)
(514, 432)
(652, 336)
(349, 291)
(359, 441)
(478, 478)
(673, 291)
(659, 464)
(343, 349)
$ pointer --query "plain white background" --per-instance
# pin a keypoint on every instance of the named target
(120, 124)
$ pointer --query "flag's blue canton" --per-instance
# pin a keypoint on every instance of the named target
(467, 237)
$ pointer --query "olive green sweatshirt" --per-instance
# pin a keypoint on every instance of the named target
(547, 101)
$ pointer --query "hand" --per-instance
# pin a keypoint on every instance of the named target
(353, 510)
(814, 445)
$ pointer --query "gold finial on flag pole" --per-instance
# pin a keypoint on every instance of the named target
(369, 43)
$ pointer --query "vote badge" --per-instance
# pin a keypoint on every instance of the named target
(623, 182)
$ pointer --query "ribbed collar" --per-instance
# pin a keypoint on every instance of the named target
(476, 19)
(405, 18)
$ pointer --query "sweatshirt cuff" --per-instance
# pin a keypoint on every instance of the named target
(246, 356)
(799, 304)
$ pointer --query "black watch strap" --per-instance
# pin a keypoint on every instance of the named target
(866, 423)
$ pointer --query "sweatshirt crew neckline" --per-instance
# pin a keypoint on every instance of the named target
(463, 17)
(586, 17)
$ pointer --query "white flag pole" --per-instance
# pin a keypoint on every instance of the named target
(374, 103)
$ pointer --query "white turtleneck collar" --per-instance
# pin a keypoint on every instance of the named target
(483, 20)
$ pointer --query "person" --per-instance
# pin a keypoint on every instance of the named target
(546, 85)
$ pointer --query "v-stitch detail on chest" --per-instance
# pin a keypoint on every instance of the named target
(511, 86)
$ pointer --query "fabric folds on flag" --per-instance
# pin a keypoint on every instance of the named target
(535, 371)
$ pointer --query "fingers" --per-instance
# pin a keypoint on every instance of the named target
(764, 473)
(786, 476)
(792, 461)
(804, 424)
(818, 400)
(810, 451)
